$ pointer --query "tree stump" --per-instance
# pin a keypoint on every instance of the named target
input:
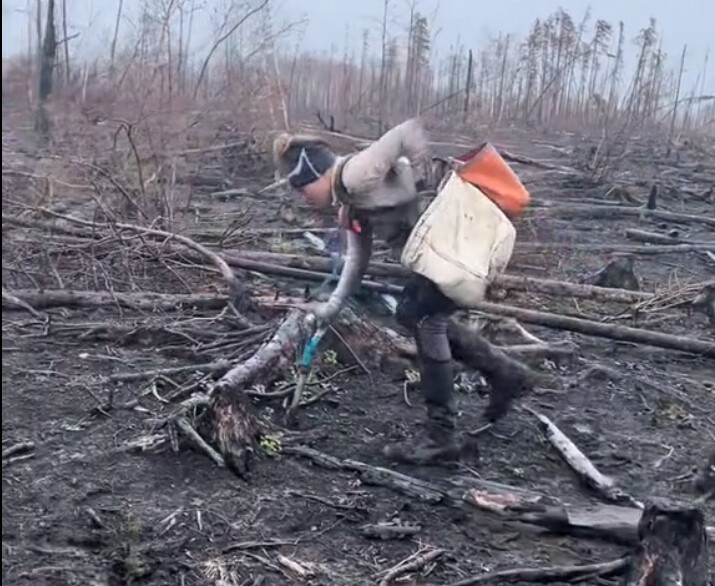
(705, 302)
(619, 273)
(705, 480)
(673, 547)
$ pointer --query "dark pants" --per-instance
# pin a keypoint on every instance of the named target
(424, 310)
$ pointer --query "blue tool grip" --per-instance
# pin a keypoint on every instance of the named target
(310, 349)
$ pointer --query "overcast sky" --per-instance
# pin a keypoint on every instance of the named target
(330, 22)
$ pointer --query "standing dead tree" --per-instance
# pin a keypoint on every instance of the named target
(218, 42)
(46, 73)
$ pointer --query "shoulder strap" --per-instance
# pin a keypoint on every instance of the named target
(339, 192)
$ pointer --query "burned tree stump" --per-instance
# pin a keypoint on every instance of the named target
(235, 427)
(673, 547)
(705, 480)
(705, 302)
(619, 273)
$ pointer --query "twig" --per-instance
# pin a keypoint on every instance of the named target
(550, 574)
(184, 425)
(10, 298)
(16, 448)
(209, 367)
(415, 562)
(215, 259)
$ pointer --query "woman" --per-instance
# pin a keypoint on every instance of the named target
(376, 193)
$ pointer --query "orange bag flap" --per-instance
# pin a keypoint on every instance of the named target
(487, 170)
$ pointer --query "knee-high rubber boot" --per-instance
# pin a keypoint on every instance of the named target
(508, 378)
(439, 445)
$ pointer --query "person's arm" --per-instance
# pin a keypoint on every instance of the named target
(369, 167)
(359, 250)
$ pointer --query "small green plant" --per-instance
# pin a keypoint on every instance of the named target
(330, 357)
(412, 376)
(280, 244)
(270, 445)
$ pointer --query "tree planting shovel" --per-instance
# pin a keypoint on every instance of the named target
(304, 369)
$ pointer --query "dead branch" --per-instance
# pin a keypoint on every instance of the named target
(183, 424)
(534, 247)
(147, 301)
(656, 238)
(593, 328)
(550, 574)
(48, 225)
(17, 448)
(381, 269)
(210, 367)
(415, 562)
(15, 300)
(217, 43)
(619, 212)
(235, 287)
(580, 464)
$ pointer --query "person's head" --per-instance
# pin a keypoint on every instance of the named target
(306, 162)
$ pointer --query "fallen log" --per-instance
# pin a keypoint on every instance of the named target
(593, 328)
(656, 238)
(145, 300)
(550, 574)
(509, 504)
(619, 212)
(273, 261)
(613, 248)
(164, 301)
(673, 547)
(579, 463)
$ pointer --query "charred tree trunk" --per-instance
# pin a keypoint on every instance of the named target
(47, 66)
(235, 428)
(673, 547)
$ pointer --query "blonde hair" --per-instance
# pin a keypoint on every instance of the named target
(285, 141)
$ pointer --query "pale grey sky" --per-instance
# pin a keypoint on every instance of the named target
(330, 22)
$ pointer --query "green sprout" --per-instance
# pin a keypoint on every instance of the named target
(330, 357)
(270, 445)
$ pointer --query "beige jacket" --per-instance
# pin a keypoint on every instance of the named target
(378, 185)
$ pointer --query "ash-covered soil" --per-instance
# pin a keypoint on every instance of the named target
(86, 507)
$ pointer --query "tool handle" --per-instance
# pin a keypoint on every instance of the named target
(311, 347)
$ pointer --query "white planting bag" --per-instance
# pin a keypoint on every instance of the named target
(461, 242)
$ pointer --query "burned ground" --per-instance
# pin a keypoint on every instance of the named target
(89, 503)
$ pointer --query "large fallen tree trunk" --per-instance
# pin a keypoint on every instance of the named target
(670, 539)
(148, 301)
(656, 238)
(271, 262)
(673, 548)
(613, 248)
(143, 300)
(593, 328)
(507, 503)
(619, 212)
